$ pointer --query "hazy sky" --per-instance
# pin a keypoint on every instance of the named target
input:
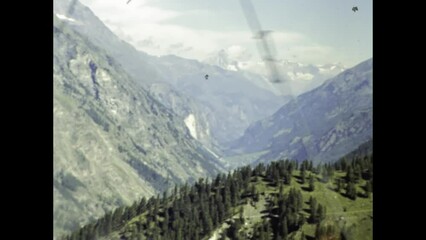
(306, 31)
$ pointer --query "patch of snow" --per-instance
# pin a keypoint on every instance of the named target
(282, 131)
(214, 154)
(300, 76)
(63, 17)
(296, 139)
(190, 124)
(232, 68)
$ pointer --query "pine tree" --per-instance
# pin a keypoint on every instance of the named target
(350, 176)
(117, 216)
(165, 225)
(241, 215)
(303, 175)
(321, 213)
(253, 190)
(132, 211)
(141, 207)
(207, 222)
(368, 188)
(287, 178)
(301, 220)
(281, 190)
(314, 207)
(338, 185)
(267, 230)
(311, 183)
(351, 190)
(310, 166)
(284, 231)
(108, 224)
(357, 173)
(233, 231)
(318, 231)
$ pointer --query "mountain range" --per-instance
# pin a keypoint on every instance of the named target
(127, 124)
(302, 77)
(226, 103)
(113, 141)
(322, 124)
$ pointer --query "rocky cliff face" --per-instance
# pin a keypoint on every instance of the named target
(113, 141)
(223, 106)
(195, 117)
(322, 124)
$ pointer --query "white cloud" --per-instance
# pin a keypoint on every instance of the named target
(118, 12)
(151, 29)
(146, 43)
(238, 53)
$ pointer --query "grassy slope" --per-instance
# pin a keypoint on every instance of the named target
(358, 212)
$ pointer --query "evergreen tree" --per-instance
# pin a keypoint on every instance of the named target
(338, 185)
(321, 213)
(368, 188)
(351, 190)
(287, 178)
(232, 232)
(303, 175)
(267, 230)
(241, 215)
(165, 225)
(257, 232)
(253, 190)
(108, 224)
(314, 207)
(311, 183)
(350, 176)
(318, 232)
(284, 231)
(132, 211)
(310, 166)
(207, 222)
(141, 207)
(357, 173)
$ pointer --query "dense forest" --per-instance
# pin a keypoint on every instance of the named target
(280, 200)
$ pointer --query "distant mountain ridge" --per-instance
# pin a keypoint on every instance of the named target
(303, 77)
(322, 124)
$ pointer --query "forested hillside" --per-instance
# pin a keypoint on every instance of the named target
(282, 200)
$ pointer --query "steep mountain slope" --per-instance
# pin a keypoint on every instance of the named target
(235, 102)
(113, 142)
(228, 101)
(323, 124)
(196, 118)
